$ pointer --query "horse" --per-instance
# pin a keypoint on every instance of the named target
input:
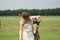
(36, 34)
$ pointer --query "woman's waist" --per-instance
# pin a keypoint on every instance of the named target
(27, 30)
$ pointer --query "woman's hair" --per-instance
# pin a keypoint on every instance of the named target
(25, 15)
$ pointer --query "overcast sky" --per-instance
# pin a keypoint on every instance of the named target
(29, 4)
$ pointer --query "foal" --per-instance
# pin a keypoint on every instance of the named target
(36, 26)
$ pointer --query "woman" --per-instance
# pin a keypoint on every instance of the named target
(26, 29)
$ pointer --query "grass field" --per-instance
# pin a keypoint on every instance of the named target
(49, 28)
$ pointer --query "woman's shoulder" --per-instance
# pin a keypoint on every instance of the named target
(21, 21)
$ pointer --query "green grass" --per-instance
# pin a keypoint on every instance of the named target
(8, 35)
(49, 28)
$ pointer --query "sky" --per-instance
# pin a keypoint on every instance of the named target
(28, 4)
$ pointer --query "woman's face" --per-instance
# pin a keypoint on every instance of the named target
(27, 18)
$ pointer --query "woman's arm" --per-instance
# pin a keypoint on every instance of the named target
(32, 17)
(21, 30)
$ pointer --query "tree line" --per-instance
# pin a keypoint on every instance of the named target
(43, 12)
